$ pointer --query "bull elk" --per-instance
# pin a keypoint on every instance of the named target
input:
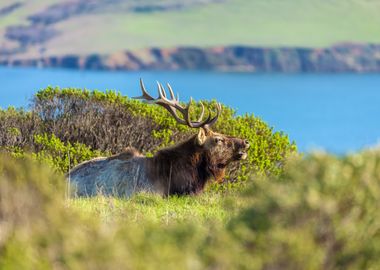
(181, 169)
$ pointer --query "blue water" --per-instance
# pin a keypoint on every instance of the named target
(338, 113)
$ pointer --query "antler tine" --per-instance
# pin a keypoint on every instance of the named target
(172, 96)
(199, 123)
(172, 105)
(186, 113)
(203, 112)
(215, 118)
(145, 94)
(161, 91)
(204, 123)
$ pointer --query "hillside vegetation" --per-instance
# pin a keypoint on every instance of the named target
(277, 210)
(28, 28)
(67, 126)
(322, 213)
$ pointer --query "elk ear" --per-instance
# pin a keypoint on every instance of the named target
(201, 137)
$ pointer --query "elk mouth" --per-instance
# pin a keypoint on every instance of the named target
(241, 155)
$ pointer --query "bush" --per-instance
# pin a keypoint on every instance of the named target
(322, 213)
(17, 128)
(109, 122)
(62, 156)
(31, 203)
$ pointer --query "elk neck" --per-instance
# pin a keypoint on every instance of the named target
(180, 169)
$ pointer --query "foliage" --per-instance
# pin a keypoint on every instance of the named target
(17, 127)
(58, 155)
(31, 201)
(107, 122)
(62, 156)
(321, 213)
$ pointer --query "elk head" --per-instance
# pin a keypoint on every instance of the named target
(218, 150)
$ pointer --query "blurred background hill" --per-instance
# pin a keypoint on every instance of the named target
(287, 35)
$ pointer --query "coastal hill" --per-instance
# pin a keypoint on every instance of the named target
(231, 35)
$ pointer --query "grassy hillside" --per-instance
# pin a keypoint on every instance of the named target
(247, 22)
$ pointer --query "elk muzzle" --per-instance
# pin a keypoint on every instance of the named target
(241, 148)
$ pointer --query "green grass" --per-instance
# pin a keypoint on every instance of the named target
(248, 22)
(262, 23)
(154, 208)
(19, 16)
(321, 213)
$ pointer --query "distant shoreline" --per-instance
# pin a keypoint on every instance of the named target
(341, 58)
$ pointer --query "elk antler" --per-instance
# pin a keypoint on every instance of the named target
(172, 105)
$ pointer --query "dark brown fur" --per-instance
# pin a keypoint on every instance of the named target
(182, 169)
(186, 167)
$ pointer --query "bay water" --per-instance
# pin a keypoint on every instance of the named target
(338, 113)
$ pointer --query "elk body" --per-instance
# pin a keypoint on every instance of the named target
(181, 169)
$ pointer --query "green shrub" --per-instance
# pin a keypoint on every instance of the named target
(31, 201)
(108, 122)
(58, 155)
(321, 213)
(17, 128)
(62, 156)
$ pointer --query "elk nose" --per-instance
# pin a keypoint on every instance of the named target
(246, 144)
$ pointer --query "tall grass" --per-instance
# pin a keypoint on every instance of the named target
(321, 213)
